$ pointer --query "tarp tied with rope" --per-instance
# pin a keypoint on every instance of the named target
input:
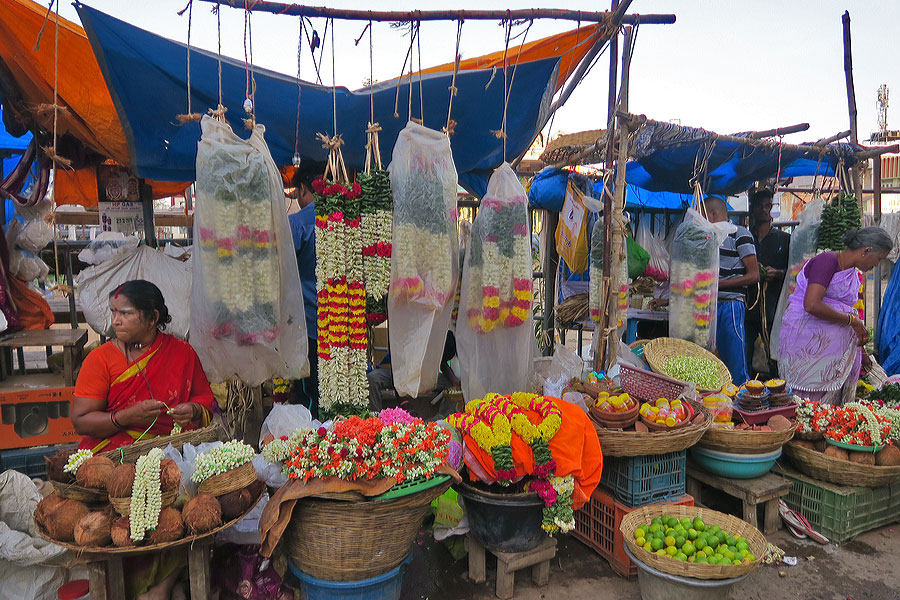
(134, 61)
(667, 157)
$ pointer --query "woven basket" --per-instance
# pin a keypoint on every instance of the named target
(633, 443)
(734, 526)
(647, 386)
(130, 453)
(348, 541)
(745, 442)
(842, 472)
(229, 481)
(123, 505)
(82, 494)
(658, 351)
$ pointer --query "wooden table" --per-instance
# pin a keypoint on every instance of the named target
(767, 490)
(107, 577)
(71, 340)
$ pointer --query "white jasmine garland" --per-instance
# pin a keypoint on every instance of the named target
(146, 494)
(76, 459)
(229, 455)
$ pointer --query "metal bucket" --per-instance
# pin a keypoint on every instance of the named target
(656, 585)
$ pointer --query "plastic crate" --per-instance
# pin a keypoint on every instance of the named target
(647, 386)
(597, 525)
(639, 480)
(841, 512)
(29, 461)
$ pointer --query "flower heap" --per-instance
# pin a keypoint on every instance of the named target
(498, 265)
(341, 295)
(75, 460)
(377, 222)
(229, 455)
(423, 270)
(486, 421)
(854, 423)
(893, 417)
(240, 260)
(146, 495)
(402, 449)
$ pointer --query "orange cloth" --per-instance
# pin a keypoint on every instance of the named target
(33, 310)
(575, 448)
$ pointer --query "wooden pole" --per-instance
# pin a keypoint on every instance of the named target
(876, 201)
(834, 138)
(298, 10)
(851, 106)
(551, 268)
(779, 131)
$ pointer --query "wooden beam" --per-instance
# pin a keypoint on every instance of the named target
(834, 138)
(92, 217)
(299, 10)
(779, 131)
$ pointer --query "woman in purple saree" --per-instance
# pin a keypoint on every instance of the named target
(820, 348)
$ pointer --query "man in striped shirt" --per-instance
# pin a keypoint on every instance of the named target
(738, 268)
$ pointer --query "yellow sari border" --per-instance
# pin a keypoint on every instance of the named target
(136, 368)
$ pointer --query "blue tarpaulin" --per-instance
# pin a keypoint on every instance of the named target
(146, 76)
(888, 334)
(665, 158)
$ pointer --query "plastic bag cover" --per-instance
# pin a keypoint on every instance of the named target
(246, 305)
(695, 278)
(425, 258)
(495, 333)
(172, 277)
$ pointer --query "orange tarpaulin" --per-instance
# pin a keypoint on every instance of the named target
(87, 111)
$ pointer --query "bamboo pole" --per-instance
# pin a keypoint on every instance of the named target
(834, 138)
(299, 10)
(851, 106)
(876, 201)
(779, 131)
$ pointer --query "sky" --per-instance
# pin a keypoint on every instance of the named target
(725, 65)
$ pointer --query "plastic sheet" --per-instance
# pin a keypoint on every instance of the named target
(107, 245)
(804, 246)
(695, 278)
(495, 332)
(425, 258)
(247, 315)
(172, 277)
(655, 245)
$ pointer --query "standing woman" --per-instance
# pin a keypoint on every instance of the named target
(820, 348)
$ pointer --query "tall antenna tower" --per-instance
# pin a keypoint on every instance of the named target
(882, 103)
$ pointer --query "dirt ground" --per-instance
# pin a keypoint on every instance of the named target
(866, 568)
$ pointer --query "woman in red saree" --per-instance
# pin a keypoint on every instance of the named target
(143, 382)
(138, 386)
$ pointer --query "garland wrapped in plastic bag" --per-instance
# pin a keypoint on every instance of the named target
(425, 257)
(377, 222)
(246, 306)
(618, 280)
(494, 332)
(694, 284)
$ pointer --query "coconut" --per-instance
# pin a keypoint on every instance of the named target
(94, 529)
(641, 428)
(805, 444)
(835, 452)
(235, 503)
(121, 532)
(202, 513)
(779, 423)
(169, 528)
(61, 520)
(821, 445)
(55, 466)
(169, 475)
(93, 472)
(45, 507)
(888, 457)
(120, 481)
(862, 458)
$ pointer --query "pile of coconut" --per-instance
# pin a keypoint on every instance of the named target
(102, 525)
(889, 456)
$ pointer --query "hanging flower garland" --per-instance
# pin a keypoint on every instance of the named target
(486, 421)
(376, 223)
(146, 495)
(340, 290)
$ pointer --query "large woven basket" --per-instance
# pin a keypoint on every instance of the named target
(616, 442)
(734, 526)
(229, 481)
(123, 505)
(835, 470)
(348, 541)
(658, 351)
(745, 442)
(131, 452)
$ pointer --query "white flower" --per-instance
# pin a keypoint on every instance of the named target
(146, 494)
(76, 459)
(229, 455)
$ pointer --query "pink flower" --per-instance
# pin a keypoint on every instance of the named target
(322, 431)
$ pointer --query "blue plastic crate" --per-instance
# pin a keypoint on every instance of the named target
(639, 480)
(30, 461)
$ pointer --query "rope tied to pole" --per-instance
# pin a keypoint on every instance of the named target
(334, 166)
(373, 150)
(450, 128)
(190, 115)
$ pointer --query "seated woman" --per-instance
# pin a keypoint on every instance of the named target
(136, 387)
(143, 382)
(819, 351)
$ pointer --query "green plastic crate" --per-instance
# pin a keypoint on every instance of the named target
(841, 512)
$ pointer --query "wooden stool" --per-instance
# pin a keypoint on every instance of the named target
(767, 489)
(71, 340)
(107, 578)
(509, 562)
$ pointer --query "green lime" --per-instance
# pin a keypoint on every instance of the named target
(688, 548)
(671, 550)
(703, 561)
(701, 554)
(709, 551)
(735, 562)
(681, 556)
(733, 549)
(693, 534)
(640, 541)
(655, 527)
(721, 536)
(742, 546)
(691, 559)
(742, 539)
(701, 541)
(648, 547)
(661, 552)
(659, 534)
(714, 529)
(730, 541)
(686, 522)
(743, 553)
(679, 541)
(728, 554)
(672, 522)
(656, 521)
(750, 557)
(699, 525)
(639, 533)
(656, 543)
(670, 541)
(718, 557)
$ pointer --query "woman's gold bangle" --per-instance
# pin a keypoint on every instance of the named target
(850, 319)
